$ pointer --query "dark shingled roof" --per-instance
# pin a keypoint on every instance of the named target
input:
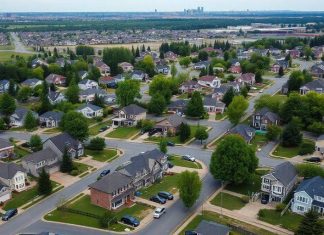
(178, 103)
(175, 120)
(133, 109)
(313, 186)
(285, 173)
(55, 115)
(41, 155)
(212, 228)
(267, 113)
(314, 85)
(111, 182)
(64, 140)
(8, 170)
(243, 130)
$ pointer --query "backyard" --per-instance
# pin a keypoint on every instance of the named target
(105, 155)
(178, 161)
(228, 201)
(123, 132)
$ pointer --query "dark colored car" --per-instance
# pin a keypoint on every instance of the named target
(104, 128)
(191, 232)
(9, 214)
(130, 220)
(165, 195)
(170, 165)
(153, 131)
(313, 159)
(171, 144)
(158, 199)
(104, 173)
(265, 199)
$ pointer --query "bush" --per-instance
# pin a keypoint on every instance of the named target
(280, 207)
(307, 148)
(74, 172)
(245, 199)
(261, 213)
(309, 171)
(108, 217)
(99, 119)
(97, 143)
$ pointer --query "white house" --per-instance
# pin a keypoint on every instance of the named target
(55, 97)
(32, 82)
(127, 67)
(4, 86)
(13, 176)
(90, 110)
(88, 84)
(209, 81)
(88, 95)
(18, 117)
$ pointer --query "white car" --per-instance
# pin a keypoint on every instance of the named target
(188, 158)
(158, 212)
(261, 91)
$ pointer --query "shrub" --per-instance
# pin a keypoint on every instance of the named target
(245, 199)
(307, 148)
(74, 172)
(280, 207)
(308, 170)
(261, 213)
(97, 143)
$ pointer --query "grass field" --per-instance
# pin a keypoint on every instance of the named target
(228, 201)
(281, 151)
(123, 132)
(102, 156)
(7, 47)
(7, 55)
(178, 161)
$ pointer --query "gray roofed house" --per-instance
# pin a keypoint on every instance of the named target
(83, 74)
(88, 84)
(170, 124)
(244, 131)
(178, 106)
(90, 110)
(316, 86)
(212, 228)
(55, 97)
(219, 92)
(162, 68)
(18, 117)
(4, 85)
(261, 119)
(201, 65)
(50, 119)
(6, 148)
(13, 176)
(129, 115)
(89, 94)
(111, 182)
(32, 82)
(317, 70)
(279, 182)
(138, 75)
(212, 105)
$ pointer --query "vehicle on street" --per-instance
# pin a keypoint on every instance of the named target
(9, 214)
(188, 158)
(171, 144)
(313, 159)
(166, 195)
(265, 199)
(104, 173)
(191, 232)
(158, 212)
(130, 220)
(158, 199)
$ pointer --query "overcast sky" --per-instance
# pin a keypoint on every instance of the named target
(160, 5)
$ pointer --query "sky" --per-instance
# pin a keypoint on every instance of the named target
(151, 5)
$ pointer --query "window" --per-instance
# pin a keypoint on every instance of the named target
(302, 199)
(267, 181)
(318, 198)
(300, 208)
(117, 203)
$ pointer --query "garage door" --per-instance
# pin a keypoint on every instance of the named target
(5, 197)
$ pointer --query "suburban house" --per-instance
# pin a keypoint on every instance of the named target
(89, 94)
(201, 65)
(294, 53)
(162, 68)
(220, 91)
(6, 148)
(309, 196)
(178, 106)
(170, 56)
(50, 119)
(209, 81)
(5, 193)
(316, 86)
(235, 68)
(138, 75)
(4, 86)
(211, 228)
(56, 79)
(18, 117)
(261, 119)
(319, 145)
(129, 116)
(108, 81)
(83, 74)
(170, 124)
(55, 97)
(189, 86)
(88, 84)
(31, 83)
(246, 79)
(317, 70)
(127, 67)
(103, 68)
(90, 110)
(64, 142)
(38, 62)
(279, 182)
(280, 63)
(13, 176)
(118, 78)
(112, 191)
(245, 131)
(212, 105)
(45, 159)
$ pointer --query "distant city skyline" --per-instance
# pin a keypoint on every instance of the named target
(160, 5)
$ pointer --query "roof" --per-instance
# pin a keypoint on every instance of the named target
(133, 109)
(313, 85)
(269, 114)
(5, 144)
(313, 186)
(284, 173)
(247, 76)
(82, 73)
(207, 78)
(212, 228)
(41, 155)
(8, 170)
(178, 103)
(138, 72)
(4, 82)
(321, 137)
(85, 81)
(223, 88)
(200, 63)
(243, 130)
(30, 82)
(64, 140)
(56, 115)
(111, 182)
(90, 106)
(21, 113)
(93, 91)
(53, 95)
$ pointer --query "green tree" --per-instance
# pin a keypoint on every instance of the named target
(23, 94)
(45, 103)
(67, 163)
(157, 104)
(114, 56)
(162, 85)
(12, 88)
(75, 124)
(185, 61)
(72, 93)
(244, 92)
(291, 136)
(296, 80)
(174, 70)
(236, 109)
(30, 121)
(273, 103)
(184, 132)
(163, 145)
(97, 143)
(273, 132)
(228, 96)
(258, 76)
(201, 134)
(127, 91)
(203, 55)
(195, 107)
(310, 225)
(38, 73)
(7, 104)
(210, 70)
(233, 161)
(99, 101)
(147, 65)
(36, 143)
(189, 185)
(44, 184)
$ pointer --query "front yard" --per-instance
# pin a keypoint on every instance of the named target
(258, 141)
(105, 155)
(228, 201)
(178, 161)
(220, 116)
(95, 130)
(286, 152)
(79, 168)
(123, 132)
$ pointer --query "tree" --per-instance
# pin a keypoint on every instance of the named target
(7, 104)
(296, 80)
(127, 91)
(163, 145)
(244, 91)
(114, 56)
(234, 160)
(203, 55)
(310, 225)
(291, 136)
(201, 134)
(173, 70)
(210, 70)
(72, 93)
(97, 144)
(195, 107)
(36, 143)
(30, 121)
(45, 103)
(228, 96)
(258, 77)
(273, 103)
(44, 184)
(185, 61)
(189, 185)
(162, 85)
(23, 94)
(75, 124)
(203, 72)
(281, 71)
(307, 147)
(157, 104)
(184, 132)
(236, 109)
(67, 163)
(12, 88)
(99, 101)
(273, 132)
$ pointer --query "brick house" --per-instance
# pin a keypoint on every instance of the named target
(246, 79)
(170, 124)
(263, 118)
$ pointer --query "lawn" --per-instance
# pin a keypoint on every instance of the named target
(178, 161)
(80, 167)
(168, 183)
(289, 220)
(52, 130)
(6, 55)
(7, 47)
(220, 116)
(123, 132)
(94, 130)
(281, 151)
(102, 156)
(230, 202)
(258, 141)
(21, 152)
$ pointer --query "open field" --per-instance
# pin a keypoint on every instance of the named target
(7, 55)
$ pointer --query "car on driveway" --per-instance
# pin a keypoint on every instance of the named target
(130, 220)
(9, 214)
(158, 212)
(313, 159)
(166, 195)
(171, 144)
(265, 199)
(104, 128)
(188, 158)
(158, 199)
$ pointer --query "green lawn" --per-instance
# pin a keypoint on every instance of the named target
(6, 55)
(168, 183)
(289, 220)
(258, 141)
(220, 116)
(102, 156)
(7, 47)
(94, 130)
(123, 132)
(80, 167)
(230, 202)
(178, 161)
(52, 130)
(281, 151)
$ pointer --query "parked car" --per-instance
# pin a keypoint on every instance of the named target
(158, 212)
(158, 199)
(188, 158)
(130, 220)
(170, 165)
(191, 232)
(265, 199)
(165, 195)
(171, 144)
(153, 131)
(9, 214)
(104, 173)
(313, 159)
(104, 128)
(261, 91)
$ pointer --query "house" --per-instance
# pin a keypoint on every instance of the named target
(162, 68)
(126, 67)
(209, 81)
(319, 145)
(178, 106)
(90, 110)
(309, 196)
(201, 65)
(45, 159)
(170, 56)
(108, 81)
(5, 193)
(263, 118)
(212, 105)
(112, 191)
(138, 75)
(64, 142)
(103, 68)
(89, 94)
(4, 86)
(284, 88)
(189, 87)
(129, 116)
(171, 124)
(56, 79)
(212, 228)
(50, 119)
(247, 79)
(246, 132)
(235, 68)
(119, 78)
(13, 176)
(279, 64)
(32, 83)
(55, 97)
(62, 62)
(220, 91)
(18, 117)
(38, 62)
(88, 84)
(317, 70)
(316, 86)
(6, 148)
(294, 54)
(83, 74)
(279, 182)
